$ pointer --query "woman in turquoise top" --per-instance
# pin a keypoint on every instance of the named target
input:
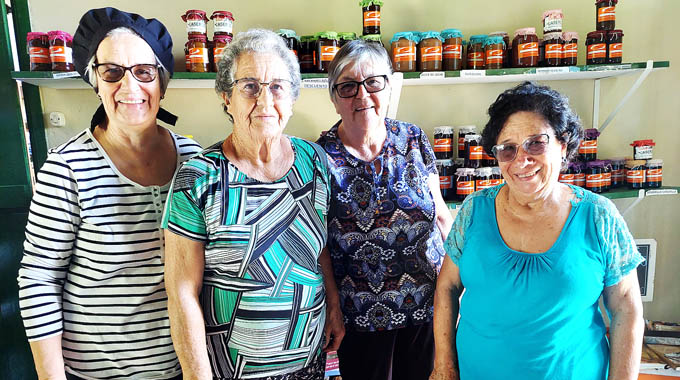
(534, 256)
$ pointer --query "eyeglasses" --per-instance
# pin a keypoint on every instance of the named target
(350, 88)
(534, 145)
(251, 88)
(110, 72)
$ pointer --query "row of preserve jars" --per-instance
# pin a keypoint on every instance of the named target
(456, 181)
(316, 52)
(602, 175)
(202, 55)
(50, 51)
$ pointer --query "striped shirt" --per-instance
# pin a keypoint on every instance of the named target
(93, 265)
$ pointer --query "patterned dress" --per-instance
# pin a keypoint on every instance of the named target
(384, 243)
(263, 296)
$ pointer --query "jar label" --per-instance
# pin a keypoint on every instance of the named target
(445, 182)
(224, 26)
(476, 152)
(635, 176)
(196, 26)
(486, 156)
(597, 51)
(39, 55)
(188, 62)
(566, 178)
(606, 14)
(217, 53)
(552, 24)
(371, 18)
(477, 58)
(588, 147)
(495, 182)
(482, 184)
(654, 175)
(553, 51)
(529, 49)
(404, 54)
(607, 178)
(307, 60)
(642, 152)
(594, 180)
(617, 175)
(465, 187)
(616, 50)
(453, 51)
(328, 52)
(443, 145)
(494, 56)
(570, 50)
(198, 55)
(62, 54)
(433, 53)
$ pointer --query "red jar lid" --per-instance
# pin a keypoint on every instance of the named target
(643, 143)
(59, 34)
(225, 38)
(598, 34)
(606, 1)
(194, 14)
(198, 38)
(35, 35)
(226, 14)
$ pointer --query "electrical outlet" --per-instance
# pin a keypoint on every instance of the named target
(57, 119)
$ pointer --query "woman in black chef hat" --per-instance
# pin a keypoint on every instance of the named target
(91, 284)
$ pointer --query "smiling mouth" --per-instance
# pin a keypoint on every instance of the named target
(363, 109)
(140, 101)
(527, 175)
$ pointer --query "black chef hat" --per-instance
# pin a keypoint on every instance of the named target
(92, 29)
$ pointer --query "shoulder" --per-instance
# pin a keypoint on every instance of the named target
(329, 136)
(403, 127)
(78, 144)
(185, 146)
(204, 161)
(603, 207)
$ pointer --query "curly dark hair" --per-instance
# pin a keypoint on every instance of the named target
(542, 100)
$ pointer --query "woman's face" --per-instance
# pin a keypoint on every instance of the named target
(266, 115)
(128, 102)
(364, 110)
(528, 174)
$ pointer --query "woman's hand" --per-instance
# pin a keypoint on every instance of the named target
(444, 374)
(446, 305)
(444, 218)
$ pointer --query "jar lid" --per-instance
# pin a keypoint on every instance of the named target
(643, 143)
(493, 40)
(656, 161)
(606, 1)
(306, 38)
(371, 37)
(465, 171)
(486, 171)
(460, 161)
(59, 34)
(615, 33)
(198, 38)
(552, 36)
(495, 170)
(576, 165)
(405, 35)
(327, 34)
(431, 34)
(226, 14)
(595, 164)
(634, 163)
(591, 133)
(599, 34)
(525, 31)
(553, 13)
(35, 35)
(473, 137)
(443, 129)
(197, 12)
(501, 33)
(347, 36)
(568, 36)
(451, 33)
(476, 37)
(288, 33)
(225, 38)
(467, 128)
(366, 3)
(448, 162)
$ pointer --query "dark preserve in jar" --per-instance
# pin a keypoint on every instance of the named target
(587, 149)
(291, 39)
(443, 142)
(61, 53)
(404, 52)
(567, 176)
(307, 54)
(654, 173)
(371, 16)
(507, 54)
(462, 132)
(483, 179)
(465, 183)
(607, 174)
(493, 52)
(570, 50)
(473, 151)
(452, 49)
(636, 174)
(579, 173)
(596, 45)
(327, 47)
(38, 45)
(614, 46)
(219, 44)
(446, 181)
(605, 13)
(430, 52)
(594, 176)
(475, 52)
(553, 49)
(525, 48)
(618, 168)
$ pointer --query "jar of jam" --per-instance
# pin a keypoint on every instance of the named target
(186, 56)
(465, 183)
(291, 39)
(462, 132)
(473, 151)
(452, 49)
(605, 13)
(570, 49)
(307, 54)
(607, 174)
(219, 44)
(594, 176)
(446, 181)
(596, 45)
(567, 176)
(507, 53)
(475, 52)
(496, 176)
(223, 22)
(617, 173)
(614, 46)
(552, 21)
(371, 16)
(327, 47)
(346, 37)
(483, 179)
(642, 149)
(61, 53)
(553, 48)
(525, 48)
(488, 160)
(373, 38)
(198, 54)
(430, 51)
(587, 149)
(404, 52)
(579, 173)
(654, 173)
(443, 142)
(494, 47)
(38, 45)
(636, 174)
(196, 23)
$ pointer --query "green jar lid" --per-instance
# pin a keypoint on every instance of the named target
(480, 37)
(347, 36)
(306, 38)
(365, 3)
(371, 37)
(431, 34)
(451, 33)
(328, 34)
(407, 35)
(286, 33)
(491, 40)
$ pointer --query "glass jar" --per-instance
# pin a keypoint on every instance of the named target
(654, 173)
(636, 174)
(496, 176)
(494, 47)
(596, 45)
(618, 172)
(443, 142)
(465, 183)
(223, 23)
(475, 52)
(346, 37)
(525, 48)
(552, 21)
(452, 49)
(553, 49)
(507, 53)
(483, 179)
(430, 52)
(198, 54)
(327, 47)
(605, 13)
(373, 38)
(567, 176)
(587, 149)
(473, 151)
(219, 44)
(607, 175)
(307, 54)
(594, 176)
(38, 47)
(614, 46)
(570, 49)
(462, 132)
(579, 173)
(446, 181)
(61, 52)
(291, 39)
(404, 52)
(196, 23)
(642, 149)
(371, 16)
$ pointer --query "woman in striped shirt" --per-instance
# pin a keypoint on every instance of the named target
(91, 286)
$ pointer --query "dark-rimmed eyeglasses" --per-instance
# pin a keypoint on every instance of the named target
(350, 88)
(534, 145)
(251, 88)
(110, 72)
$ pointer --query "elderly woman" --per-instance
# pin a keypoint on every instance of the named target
(534, 256)
(91, 279)
(246, 225)
(387, 223)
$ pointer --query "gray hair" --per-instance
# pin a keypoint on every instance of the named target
(163, 73)
(357, 52)
(255, 41)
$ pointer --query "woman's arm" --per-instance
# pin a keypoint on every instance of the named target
(626, 328)
(334, 329)
(184, 264)
(446, 304)
(49, 362)
(444, 217)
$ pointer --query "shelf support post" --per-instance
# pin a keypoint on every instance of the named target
(596, 103)
(629, 94)
(396, 83)
(640, 197)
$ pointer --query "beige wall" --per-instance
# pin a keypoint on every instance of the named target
(650, 33)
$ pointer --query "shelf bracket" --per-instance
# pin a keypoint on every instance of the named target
(629, 94)
(640, 197)
(596, 103)
(396, 83)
